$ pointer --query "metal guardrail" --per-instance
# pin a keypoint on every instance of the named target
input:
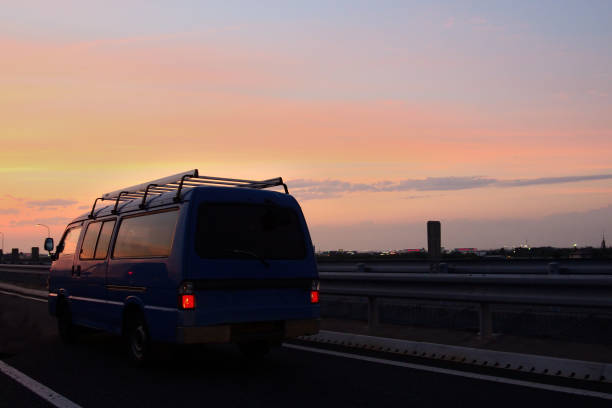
(27, 269)
(564, 267)
(592, 291)
(588, 291)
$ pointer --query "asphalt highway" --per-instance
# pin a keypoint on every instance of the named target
(95, 373)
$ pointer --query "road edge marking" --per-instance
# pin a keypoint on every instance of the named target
(22, 296)
(466, 374)
(592, 371)
(37, 388)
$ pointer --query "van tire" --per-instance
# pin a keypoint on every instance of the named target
(254, 350)
(68, 331)
(138, 342)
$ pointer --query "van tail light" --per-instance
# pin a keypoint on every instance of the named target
(187, 302)
(186, 296)
(314, 291)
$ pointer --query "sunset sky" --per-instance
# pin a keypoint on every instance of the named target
(494, 117)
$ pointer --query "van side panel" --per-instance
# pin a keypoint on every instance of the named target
(150, 283)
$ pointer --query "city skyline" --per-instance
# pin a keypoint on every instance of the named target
(493, 118)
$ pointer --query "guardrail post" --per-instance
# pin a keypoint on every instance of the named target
(373, 314)
(553, 268)
(486, 320)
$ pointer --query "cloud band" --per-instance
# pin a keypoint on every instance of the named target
(313, 189)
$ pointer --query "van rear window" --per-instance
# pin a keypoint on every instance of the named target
(247, 231)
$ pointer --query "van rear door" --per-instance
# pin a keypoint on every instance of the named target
(253, 262)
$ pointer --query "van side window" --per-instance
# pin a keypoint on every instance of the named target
(69, 243)
(146, 236)
(104, 240)
(88, 246)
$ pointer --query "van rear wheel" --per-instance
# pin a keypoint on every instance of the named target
(66, 328)
(137, 340)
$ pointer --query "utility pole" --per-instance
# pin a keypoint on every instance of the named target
(48, 230)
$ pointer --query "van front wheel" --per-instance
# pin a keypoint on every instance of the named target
(137, 339)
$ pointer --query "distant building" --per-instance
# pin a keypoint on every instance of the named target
(466, 250)
(410, 250)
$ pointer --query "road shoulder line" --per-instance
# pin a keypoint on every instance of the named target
(466, 374)
(526, 363)
(37, 388)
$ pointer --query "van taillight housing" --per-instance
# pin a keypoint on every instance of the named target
(186, 296)
(187, 302)
(314, 292)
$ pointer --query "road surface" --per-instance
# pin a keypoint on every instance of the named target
(95, 373)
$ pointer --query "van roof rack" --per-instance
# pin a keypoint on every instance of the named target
(179, 182)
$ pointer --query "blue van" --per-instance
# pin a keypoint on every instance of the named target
(188, 259)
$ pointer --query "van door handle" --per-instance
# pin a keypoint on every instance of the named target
(78, 271)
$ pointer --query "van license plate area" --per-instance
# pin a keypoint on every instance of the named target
(254, 330)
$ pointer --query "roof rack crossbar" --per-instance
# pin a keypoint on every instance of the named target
(222, 183)
(179, 182)
(232, 180)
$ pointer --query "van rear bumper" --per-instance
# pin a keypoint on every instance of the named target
(243, 332)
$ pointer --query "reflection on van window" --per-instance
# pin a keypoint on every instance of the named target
(69, 243)
(104, 240)
(146, 236)
(247, 231)
(89, 241)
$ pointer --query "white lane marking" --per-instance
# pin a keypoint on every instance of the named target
(37, 388)
(162, 309)
(108, 302)
(23, 296)
(484, 377)
(95, 300)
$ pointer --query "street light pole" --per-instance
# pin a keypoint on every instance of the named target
(2, 242)
(48, 230)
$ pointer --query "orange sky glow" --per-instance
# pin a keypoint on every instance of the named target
(82, 115)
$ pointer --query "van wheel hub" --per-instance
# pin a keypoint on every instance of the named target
(139, 341)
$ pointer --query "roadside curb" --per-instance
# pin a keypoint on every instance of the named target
(526, 363)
